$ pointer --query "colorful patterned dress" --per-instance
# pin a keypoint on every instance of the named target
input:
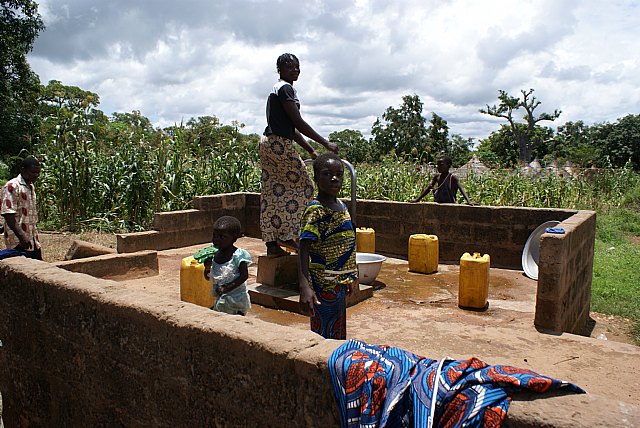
(286, 186)
(236, 301)
(332, 266)
(286, 189)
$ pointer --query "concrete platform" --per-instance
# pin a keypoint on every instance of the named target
(420, 313)
(289, 300)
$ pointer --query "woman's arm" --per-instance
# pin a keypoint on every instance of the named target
(293, 112)
(307, 296)
(299, 138)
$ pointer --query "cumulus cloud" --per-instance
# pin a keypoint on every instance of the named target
(177, 60)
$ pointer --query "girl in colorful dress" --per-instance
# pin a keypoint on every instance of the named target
(228, 268)
(327, 251)
(286, 187)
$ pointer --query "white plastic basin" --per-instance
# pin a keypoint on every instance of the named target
(369, 265)
(531, 251)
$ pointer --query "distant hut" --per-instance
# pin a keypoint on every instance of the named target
(567, 169)
(473, 166)
(535, 165)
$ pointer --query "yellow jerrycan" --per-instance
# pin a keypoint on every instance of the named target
(473, 288)
(365, 240)
(423, 253)
(194, 288)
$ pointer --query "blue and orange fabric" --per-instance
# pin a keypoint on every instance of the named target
(383, 386)
(332, 265)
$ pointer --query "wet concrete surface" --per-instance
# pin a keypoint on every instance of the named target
(511, 294)
(420, 313)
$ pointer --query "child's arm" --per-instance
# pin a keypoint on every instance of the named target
(307, 296)
(243, 268)
(457, 183)
(427, 190)
(352, 286)
(207, 268)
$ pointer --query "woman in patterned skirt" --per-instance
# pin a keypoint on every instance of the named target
(286, 186)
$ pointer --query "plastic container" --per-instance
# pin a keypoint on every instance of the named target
(423, 253)
(365, 240)
(368, 266)
(194, 288)
(473, 289)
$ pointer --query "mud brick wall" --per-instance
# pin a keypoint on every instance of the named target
(81, 351)
(183, 228)
(565, 274)
(500, 232)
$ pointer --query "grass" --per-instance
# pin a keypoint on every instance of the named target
(616, 279)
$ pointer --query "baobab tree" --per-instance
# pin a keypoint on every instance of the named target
(522, 132)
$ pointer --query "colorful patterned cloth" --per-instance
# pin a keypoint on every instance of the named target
(286, 189)
(332, 266)
(19, 198)
(378, 386)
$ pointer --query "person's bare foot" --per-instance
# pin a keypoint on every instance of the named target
(289, 244)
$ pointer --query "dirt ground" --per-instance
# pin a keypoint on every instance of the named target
(614, 328)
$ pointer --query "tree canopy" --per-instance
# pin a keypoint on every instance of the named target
(401, 129)
(523, 136)
(20, 24)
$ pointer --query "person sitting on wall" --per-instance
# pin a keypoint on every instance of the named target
(444, 185)
(20, 214)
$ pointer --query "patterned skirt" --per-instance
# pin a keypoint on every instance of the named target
(286, 189)
(329, 318)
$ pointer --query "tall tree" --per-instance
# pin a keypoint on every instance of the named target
(401, 129)
(573, 142)
(353, 146)
(620, 141)
(498, 149)
(460, 149)
(437, 138)
(20, 23)
(523, 135)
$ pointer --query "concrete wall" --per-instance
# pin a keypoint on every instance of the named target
(500, 232)
(564, 286)
(81, 351)
(565, 273)
(183, 228)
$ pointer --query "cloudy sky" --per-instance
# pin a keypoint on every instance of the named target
(174, 60)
